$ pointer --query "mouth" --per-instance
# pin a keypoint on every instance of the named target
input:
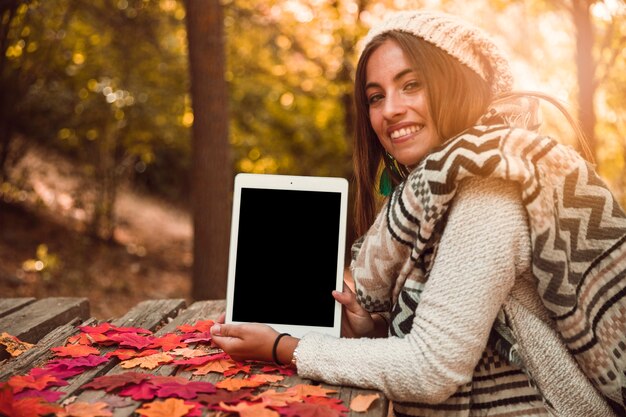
(405, 131)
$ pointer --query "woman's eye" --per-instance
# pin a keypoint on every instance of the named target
(374, 98)
(412, 85)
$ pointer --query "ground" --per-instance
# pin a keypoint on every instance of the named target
(45, 252)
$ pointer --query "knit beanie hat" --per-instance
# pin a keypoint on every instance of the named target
(468, 44)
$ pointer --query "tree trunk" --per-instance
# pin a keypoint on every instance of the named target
(211, 176)
(586, 69)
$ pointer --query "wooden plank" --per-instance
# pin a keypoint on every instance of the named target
(41, 353)
(9, 305)
(147, 314)
(32, 322)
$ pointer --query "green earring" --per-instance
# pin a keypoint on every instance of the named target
(384, 185)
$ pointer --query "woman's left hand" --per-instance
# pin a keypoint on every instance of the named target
(250, 341)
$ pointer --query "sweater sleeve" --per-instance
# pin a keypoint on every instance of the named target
(484, 246)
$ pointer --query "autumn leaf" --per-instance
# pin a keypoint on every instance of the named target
(198, 337)
(225, 396)
(250, 410)
(305, 390)
(142, 391)
(167, 342)
(309, 410)
(25, 407)
(283, 370)
(47, 395)
(219, 366)
(240, 367)
(133, 340)
(172, 407)
(14, 346)
(81, 362)
(201, 326)
(111, 382)
(125, 354)
(148, 362)
(189, 353)
(109, 328)
(187, 390)
(75, 351)
(276, 399)
(233, 384)
(40, 382)
(84, 409)
(266, 377)
(362, 402)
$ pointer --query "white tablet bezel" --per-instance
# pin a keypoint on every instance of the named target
(289, 182)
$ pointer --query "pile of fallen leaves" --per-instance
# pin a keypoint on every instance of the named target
(244, 388)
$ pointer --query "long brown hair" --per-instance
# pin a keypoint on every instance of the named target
(457, 97)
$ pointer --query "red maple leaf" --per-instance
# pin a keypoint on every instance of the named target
(111, 382)
(200, 326)
(334, 403)
(133, 340)
(38, 382)
(168, 342)
(82, 362)
(225, 396)
(142, 391)
(75, 351)
(197, 337)
(25, 407)
(125, 354)
(186, 391)
(109, 328)
(309, 410)
(283, 370)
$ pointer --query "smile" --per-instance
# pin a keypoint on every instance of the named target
(405, 131)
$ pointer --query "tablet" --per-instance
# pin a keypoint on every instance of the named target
(287, 247)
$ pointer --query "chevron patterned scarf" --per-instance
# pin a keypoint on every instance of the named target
(578, 238)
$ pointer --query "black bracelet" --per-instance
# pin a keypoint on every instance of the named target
(274, 356)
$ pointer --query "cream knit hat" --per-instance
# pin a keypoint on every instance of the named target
(469, 44)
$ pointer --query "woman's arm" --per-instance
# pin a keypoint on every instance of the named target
(484, 246)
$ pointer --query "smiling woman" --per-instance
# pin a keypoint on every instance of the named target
(469, 296)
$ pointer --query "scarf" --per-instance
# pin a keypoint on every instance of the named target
(578, 239)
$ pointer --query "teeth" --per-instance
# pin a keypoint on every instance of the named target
(404, 131)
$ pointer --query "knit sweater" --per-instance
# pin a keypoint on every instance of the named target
(483, 259)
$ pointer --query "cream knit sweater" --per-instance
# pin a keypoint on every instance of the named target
(482, 264)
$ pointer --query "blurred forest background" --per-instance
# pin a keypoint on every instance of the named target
(123, 122)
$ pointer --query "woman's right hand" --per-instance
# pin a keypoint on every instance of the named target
(356, 322)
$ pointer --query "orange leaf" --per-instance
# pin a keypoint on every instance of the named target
(274, 398)
(84, 409)
(172, 407)
(75, 351)
(362, 402)
(14, 346)
(305, 390)
(250, 410)
(21, 382)
(189, 353)
(148, 362)
(218, 366)
(266, 377)
(233, 384)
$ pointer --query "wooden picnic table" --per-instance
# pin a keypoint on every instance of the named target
(49, 322)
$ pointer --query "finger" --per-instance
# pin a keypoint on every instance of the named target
(221, 318)
(224, 330)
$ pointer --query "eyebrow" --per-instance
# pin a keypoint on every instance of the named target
(395, 78)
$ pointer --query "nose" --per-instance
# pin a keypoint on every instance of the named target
(394, 106)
